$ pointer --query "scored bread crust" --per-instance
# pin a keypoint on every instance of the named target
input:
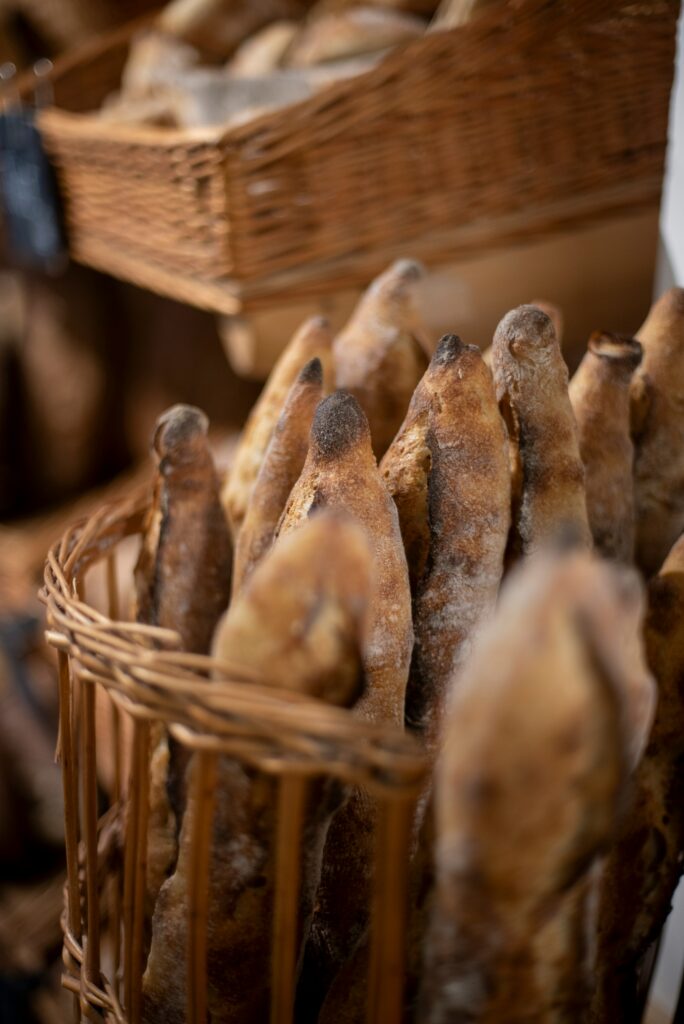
(182, 581)
(381, 353)
(313, 339)
(645, 863)
(599, 395)
(341, 473)
(539, 744)
(282, 464)
(448, 473)
(312, 645)
(531, 381)
(657, 400)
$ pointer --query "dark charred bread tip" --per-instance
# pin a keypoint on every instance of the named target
(619, 347)
(528, 326)
(339, 422)
(408, 270)
(450, 347)
(312, 372)
(176, 428)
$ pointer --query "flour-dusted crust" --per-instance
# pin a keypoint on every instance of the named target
(182, 583)
(282, 464)
(381, 353)
(657, 397)
(312, 644)
(448, 473)
(539, 744)
(599, 395)
(645, 863)
(531, 381)
(313, 339)
(341, 473)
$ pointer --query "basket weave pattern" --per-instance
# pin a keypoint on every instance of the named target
(211, 709)
(546, 107)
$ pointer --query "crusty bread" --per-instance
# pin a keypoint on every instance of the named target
(555, 315)
(339, 35)
(531, 381)
(263, 52)
(657, 397)
(599, 395)
(381, 353)
(182, 582)
(455, 13)
(283, 462)
(539, 744)
(341, 473)
(645, 863)
(447, 470)
(311, 644)
(217, 26)
(312, 339)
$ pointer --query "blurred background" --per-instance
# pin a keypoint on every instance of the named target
(88, 361)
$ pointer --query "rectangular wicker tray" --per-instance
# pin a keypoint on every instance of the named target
(538, 114)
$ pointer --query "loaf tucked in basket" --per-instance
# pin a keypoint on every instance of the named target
(539, 113)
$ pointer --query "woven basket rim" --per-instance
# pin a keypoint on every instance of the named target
(205, 704)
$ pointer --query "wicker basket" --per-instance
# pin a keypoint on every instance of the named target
(536, 115)
(148, 680)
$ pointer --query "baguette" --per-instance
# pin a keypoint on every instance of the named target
(599, 395)
(531, 381)
(312, 339)
(351, 33)
(555, 315)
(550, 704)
(645, 863)
(447, 470)
(657, 401)
(283, 462)
(182, 581)
(381, 354)
(341, 473)
(263, 52)
(312, 645)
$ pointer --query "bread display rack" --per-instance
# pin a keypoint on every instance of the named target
(539, 114)
(136, 668)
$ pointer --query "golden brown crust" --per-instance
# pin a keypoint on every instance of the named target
(547, 704)
(331, 560)
(555, 315)
(645, 863)
(350, 33)
(182, 583)
(657, 400)
(448, 472)
(341, 473)
(380, 354)
(599, 395)
(531, 382)
(283, 462)
(312, 339)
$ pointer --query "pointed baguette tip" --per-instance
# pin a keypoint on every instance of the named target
(338, 423)
(311, 372)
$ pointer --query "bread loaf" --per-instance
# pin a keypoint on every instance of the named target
(599, 395)
(447, 470)
(531, 381)
(381, 354)
(341, 473)
(182, 583)
(645, 863)
(539, 743)
(350, 33)
(283, 462)
(312, 339)
(312, 645)
(555, 315)
(657, 397)
(263, 52)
